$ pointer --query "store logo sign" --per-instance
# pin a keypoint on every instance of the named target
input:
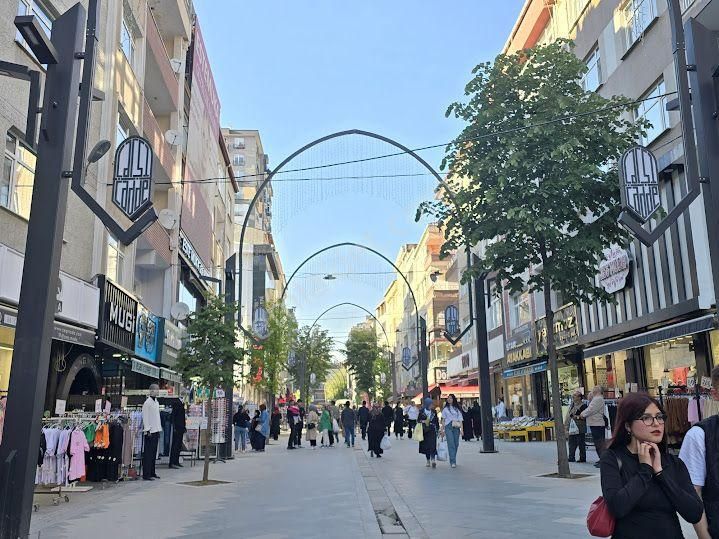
(614, 269)
(121, 317)
(132, 185)
(639, 179)
(451, 320)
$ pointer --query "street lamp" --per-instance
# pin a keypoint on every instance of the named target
(36, 38)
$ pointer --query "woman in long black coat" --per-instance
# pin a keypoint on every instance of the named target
(398, 421)
(429, 420)
(375, 432)
(275, 423)
(477, 420)
(466, 422)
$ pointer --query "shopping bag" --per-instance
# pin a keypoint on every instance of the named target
(418, 433)
(442, 451)
(573, 428)
(335, 426)
(385, 444)
(600, 522)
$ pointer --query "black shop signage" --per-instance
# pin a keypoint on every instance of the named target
(519, 346)
(566, 329)
(118, 314)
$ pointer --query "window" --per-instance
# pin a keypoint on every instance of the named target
(34, 7)
(638, 14)
(238, 160)
(494, 316)
(115, 259)
(654, 109)
(18, 177)
(123, 129)
(593, 77)
(519, 310)
(127, 42)
(239, 143)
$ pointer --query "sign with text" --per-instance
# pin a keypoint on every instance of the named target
(519, 347)
(118, 314)
(566, 329)
(614, 269)
(147, 331)
(132, 184)
(639, 182)
(451, 320)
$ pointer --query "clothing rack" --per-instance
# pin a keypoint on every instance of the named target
(696, 394)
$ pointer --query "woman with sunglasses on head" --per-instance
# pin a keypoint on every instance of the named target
(644, 486)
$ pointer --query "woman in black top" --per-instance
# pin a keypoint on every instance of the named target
(375, 432)
(645, 487)
(398, 421)
(430, 428)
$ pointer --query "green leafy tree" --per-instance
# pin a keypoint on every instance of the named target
(540, 194)
(362, 355)
(282, 326)
(210, 354)
(313, 355)
(382, 367)
(336, 384)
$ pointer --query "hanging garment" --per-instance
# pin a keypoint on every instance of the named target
(114, 452)
(127, 444)
(693, 411)
(78, 447)
(47, 473)
(62, 457)
(102, 437)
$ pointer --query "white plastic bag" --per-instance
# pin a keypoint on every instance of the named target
(442, 451)
(335, 426)
(385, 444)
(573, 428)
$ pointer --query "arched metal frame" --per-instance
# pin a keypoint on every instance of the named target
(278, 168)
(389, 346)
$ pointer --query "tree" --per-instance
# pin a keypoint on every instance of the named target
(282, 326)
(362, 356)
(336, 384)
(313, 354)
(210, 354)
(382, 367)
(541, 194)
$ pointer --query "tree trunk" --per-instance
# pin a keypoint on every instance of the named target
(208, 436)
(560, 434)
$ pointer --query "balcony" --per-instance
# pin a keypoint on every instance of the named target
(155, 134)
(174, 17)
(161, 82)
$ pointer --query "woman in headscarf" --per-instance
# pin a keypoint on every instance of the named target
(326, 428)
(430, 427)
(398, 421)
(466, 422)
(255, 427)
(275, 423)
(376, 431)
(477, 420)
(312, 421)
(264, 427)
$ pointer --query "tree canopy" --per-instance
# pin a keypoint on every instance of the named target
(314, 346)
(363, 359)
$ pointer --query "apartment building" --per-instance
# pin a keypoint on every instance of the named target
(154, 73)
(661, 330)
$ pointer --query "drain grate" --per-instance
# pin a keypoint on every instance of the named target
(390, 523)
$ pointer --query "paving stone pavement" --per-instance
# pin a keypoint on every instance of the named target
(333, 493)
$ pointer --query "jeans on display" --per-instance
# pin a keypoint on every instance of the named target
(452, 434)
(349, 436)
(166, 433)
(240, 438)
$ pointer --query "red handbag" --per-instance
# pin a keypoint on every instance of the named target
(600, 522)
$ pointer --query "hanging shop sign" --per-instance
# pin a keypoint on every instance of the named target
(141, 367)
(614, 269)
(519, 347)
(451, 320)
(60, 331)
(170, 376)
(566, 329)
(187, 249)
(639, 180)
(260, 326)
(406, 357)
(148, 329)
(440, 374)
(118, 315)
(171, 343)
(132, 184)
(524, 371)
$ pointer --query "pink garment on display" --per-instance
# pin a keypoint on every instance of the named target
(693, 411)
(78, 447)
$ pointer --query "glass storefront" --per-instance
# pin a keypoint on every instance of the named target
(672, 362)
(607, 371)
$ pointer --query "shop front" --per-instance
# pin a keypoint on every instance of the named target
(524, 376)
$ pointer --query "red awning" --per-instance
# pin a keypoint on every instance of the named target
(458, 391)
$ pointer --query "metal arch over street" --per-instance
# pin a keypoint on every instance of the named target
(360, 132)
(389, 346)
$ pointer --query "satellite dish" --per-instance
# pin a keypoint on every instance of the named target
(180, 311)
(167, 218)
(178, 65)
(173, 137)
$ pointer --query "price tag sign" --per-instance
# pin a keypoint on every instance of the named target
(60, 406)
(706, 382)
(691, 382)
(98, 406)
(107, 407)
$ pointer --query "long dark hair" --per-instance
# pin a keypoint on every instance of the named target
(632, 407)
(454, 404)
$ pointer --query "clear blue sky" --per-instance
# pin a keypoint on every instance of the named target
(299, 70)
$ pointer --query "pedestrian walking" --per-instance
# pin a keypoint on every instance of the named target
(275, 423)
(700, 453)
(264, 431)
(412, 412)
(476, 412)
(398, 421)
(594, 414)
(348, 419)
(241, 422)
(326, 428)
(430, 428)
(312, 426)
(363, 415)
(255, 427)
(500, 411)
(644, 487)
(300, 424)
(467, 428)
(388, 414)
(452, 421)
(376, 431)
(577, 427)
(293, 418)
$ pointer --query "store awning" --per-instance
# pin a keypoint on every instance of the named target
(524, 371)
(153, 371)
(689, 327)
(170, 375)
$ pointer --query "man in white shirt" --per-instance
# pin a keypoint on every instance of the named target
(500, 410)
(412, 413)
(704, 472)
(151, 427)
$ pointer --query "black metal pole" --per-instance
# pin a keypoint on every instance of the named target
(229, 290)
(33, 334)
(423, 358)
(485, 391)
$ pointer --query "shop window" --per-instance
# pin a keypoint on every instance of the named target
(671, 362)
(18, 177)
(519, 313)
(115, 259)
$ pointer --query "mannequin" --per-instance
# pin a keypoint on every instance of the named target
(178, 430)
(151, 428)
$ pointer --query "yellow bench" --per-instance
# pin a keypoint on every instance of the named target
(518, 434)
(538, 430)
